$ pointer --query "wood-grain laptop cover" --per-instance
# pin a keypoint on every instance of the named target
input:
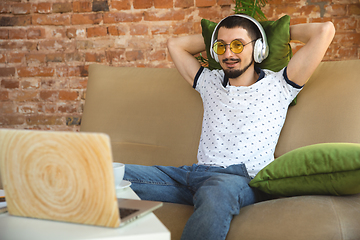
(61, 176)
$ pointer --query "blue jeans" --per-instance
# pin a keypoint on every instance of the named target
(216, 193)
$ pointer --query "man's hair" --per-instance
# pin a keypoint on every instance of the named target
(236, 21)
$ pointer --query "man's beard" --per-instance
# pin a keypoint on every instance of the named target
(235, 73)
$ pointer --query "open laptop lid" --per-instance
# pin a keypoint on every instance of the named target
(62, 176)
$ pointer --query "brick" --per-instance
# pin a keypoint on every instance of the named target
(21, 8)
(7, 107)
(35, 33)
(134, 55)
(100, 6)
(27, 108)
(163, 3)
(14, 119)
(2, 58)
(84, 70)
(5, 7)
(318, 20)
(62, 7)
(227, 2)
(95, 57)
(345, 23)
(7, 72)
(49, 95)
(67, 108)
(54, 57)
(96, 31)
(72, 71)
(347, 39)
(205, 3)
(335, 10)
(184, 3)
(118, 30)
(57, 33)
(56, 45)
(44, 120)
(197, 27)
(35, 72)
(15, 21)
(155, 30)
(139, 29)
(84, 44)
(183, 28)
(78, 83)
(10, 84)
(115, 56)
(159, 55)
(275, 1)
(294, 21)
(82, 7)
(23, 96)
(16, 45)
(4, 34)
(121, 5)
(212, 14)
(14, 57)
(51, 19)
(75, 57)
(354, 9)
(117, 17)
(143, 4)
(68, 95)
(82, 18)
(35, 58)
(137, 42)
(53, 84)
(31, 83)
(46, 107)
(71, 33)
(17, 33)
(42, 7)
(164, 15)
(4, 95)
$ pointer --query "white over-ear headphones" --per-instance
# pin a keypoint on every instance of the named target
(261, 48)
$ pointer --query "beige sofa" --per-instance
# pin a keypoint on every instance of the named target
(154, 117)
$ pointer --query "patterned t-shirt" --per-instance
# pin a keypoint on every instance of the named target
(242, 124)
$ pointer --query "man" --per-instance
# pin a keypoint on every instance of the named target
(244, 111)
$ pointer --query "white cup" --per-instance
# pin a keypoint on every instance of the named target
(119, 171)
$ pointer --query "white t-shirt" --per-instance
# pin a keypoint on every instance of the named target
(242, 124)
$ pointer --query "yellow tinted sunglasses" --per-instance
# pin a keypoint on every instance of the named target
(236, 46)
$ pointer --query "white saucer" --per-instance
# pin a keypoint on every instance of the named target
(123, 184)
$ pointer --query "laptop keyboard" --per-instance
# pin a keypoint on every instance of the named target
(124, 212)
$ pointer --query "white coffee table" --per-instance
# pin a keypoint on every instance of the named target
(148, 227)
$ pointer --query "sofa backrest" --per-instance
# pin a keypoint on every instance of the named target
(151, 114)
(154, 117)
(327, 110)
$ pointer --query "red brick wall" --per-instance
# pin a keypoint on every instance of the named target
(46, 46)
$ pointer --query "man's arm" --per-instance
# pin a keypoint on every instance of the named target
(317, 38)
(182, 51)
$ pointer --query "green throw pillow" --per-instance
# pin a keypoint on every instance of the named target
(278, 37)
(326, 169)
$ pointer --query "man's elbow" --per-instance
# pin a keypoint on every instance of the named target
(328, 29)
(171, 43)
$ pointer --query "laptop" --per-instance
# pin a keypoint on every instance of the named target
(64, 176)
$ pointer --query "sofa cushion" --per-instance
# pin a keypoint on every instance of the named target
(278, 37)
(328, 168)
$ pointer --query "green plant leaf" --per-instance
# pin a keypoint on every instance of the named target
(251, 8)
